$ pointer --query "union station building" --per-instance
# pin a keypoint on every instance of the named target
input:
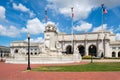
(99, 44)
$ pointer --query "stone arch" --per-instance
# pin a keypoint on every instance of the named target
(69, 49)
(119, 54)
(1, 55)
(27, 53)
(113, 54)
(31, 53)
(16, 51)
(35, 53)
(92, 50)
(81, 50)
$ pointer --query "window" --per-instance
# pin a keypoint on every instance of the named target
(31, 53)
(118, 47)
(35, 49)
(119, 54)
(113, 54)
(113, 47)
(35, 53)
(16, 51)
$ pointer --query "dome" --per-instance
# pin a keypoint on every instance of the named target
(50, 27)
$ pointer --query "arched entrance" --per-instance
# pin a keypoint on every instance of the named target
(69, 49)
(119, 54)
(113, 54)
(93, 50)
(31, 53)
(81, 50)
(16, 51)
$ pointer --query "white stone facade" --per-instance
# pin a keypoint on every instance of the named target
(65, 48)
(4, 51)
(21, 47)
(100, 43)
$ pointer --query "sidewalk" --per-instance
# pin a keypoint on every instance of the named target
(18, 72)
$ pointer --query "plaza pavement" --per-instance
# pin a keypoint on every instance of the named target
(18, 72)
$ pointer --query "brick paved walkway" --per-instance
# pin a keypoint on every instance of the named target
(16, 72)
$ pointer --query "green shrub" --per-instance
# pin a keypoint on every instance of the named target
(112, 58)
(86, 57)
(89, 57)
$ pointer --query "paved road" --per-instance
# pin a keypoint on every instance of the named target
(17, 72)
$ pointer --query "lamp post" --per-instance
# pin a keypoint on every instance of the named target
(91, 53)
(28, 67)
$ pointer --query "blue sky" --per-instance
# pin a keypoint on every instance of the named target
(17, 17)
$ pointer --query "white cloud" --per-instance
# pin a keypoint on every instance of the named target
(31, 14)
(9, 31)
(110, 3)
(83, 27)
(82, 8)
(2, 12)
(23, 8)
(49, 22)
(117, 36)
(20, 7)
(36, 40)
(118, 29)
(100, 28)
(34, 26)
(105, 27)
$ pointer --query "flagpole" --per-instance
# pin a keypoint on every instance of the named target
(72, 31)
(102, 31)
(46, 18)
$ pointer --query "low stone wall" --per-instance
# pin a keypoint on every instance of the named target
(43, 59)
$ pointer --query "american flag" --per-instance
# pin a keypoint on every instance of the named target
(46, 17)
(104, 9)
(72, 12)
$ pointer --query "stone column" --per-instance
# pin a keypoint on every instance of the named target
(85, 44)
(107, 49)
(99, 45)
(98, 48)
(3, 54)
(116, 54)
(0, 54)
(63, 42)
(107, 46)
(86, 48)
(74, 47)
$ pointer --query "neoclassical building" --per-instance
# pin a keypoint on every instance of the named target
(21, 47)
(4, 51)
(99, 44)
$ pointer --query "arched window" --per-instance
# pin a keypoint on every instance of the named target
(31, 53)
(113, 54)
(93, 50)
(27, 53)
(69, 49)
(35, 53)
(119, 54)
(16, 51)
(81, 50)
